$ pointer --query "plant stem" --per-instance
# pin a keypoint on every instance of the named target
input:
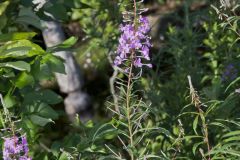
(111, 84)
(129, 108)
(129, 88)
(135, 11)
(196, 101)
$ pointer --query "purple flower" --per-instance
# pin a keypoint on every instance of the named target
(138, 63)
(117, 61)
(134, 43)
(145, 52)
(25, 145)
(24, 158)
(15, 148)
(144, 27)
(149, 65)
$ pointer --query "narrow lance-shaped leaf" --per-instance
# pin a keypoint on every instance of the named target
(195, 123)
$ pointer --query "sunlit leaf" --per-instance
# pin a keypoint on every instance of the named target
(41, 121)
(18, 65)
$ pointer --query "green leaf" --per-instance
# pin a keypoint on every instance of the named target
(233, 133)
(40, 109)
(195, 123)
(55, 63)
(234, 139)
(18, 65)
(9, 101)
(20, 49)
(3, 7)
(41, 121)
(64, 45)
(41, 71)
(23, 80)
(228, 151)
(45, 96)
(184, 113)
(219, 125)
(69, 42)
(63, 156)
(103, 131)
(191, 137)
(231, 84)
(16, 36)
(195, 146)
(214, 104)
(10, 74)
(28, 17)
(46, 111)
(55, 147)
(58, 11)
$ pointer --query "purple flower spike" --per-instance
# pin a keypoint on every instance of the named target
(15, 148)
(134, 40)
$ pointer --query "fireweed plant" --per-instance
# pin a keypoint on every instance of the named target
(15, 145)
(131, 114)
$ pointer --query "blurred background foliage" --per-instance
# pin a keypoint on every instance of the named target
(188, 40)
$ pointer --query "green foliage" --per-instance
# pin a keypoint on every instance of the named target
(167, 123)
(23, 64)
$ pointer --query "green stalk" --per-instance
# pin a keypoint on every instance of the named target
(128, 93)
(129, 109)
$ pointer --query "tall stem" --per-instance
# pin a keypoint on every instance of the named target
(135, 11)
(129, 88)
(129, 109)
(196, 101)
